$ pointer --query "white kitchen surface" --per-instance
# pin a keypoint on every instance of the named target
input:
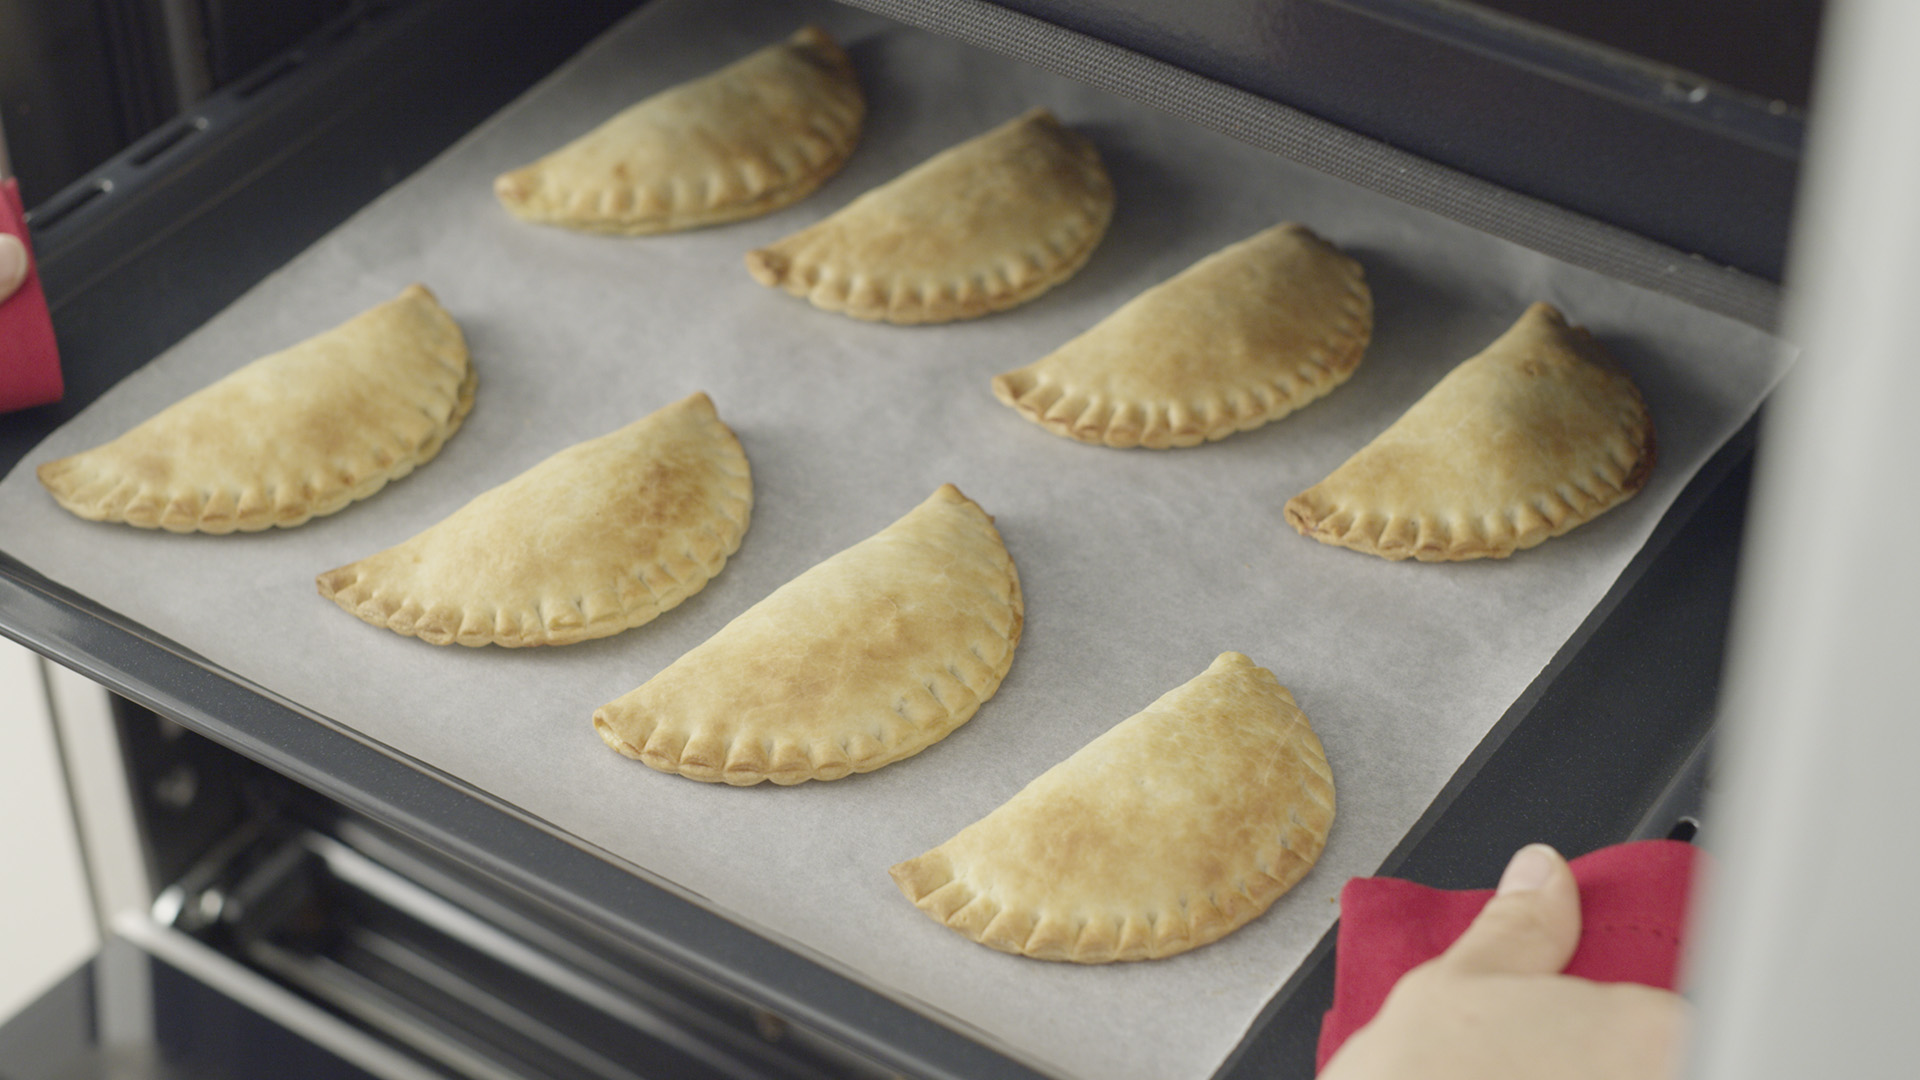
(46, 915)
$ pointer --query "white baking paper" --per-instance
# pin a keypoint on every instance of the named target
(1139, 566)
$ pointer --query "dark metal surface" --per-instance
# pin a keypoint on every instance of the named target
(1759, 47)
(197, 1032)
(391, 938)
(1688, 163)
(243, 35)
(1578, 761)
(60, 93)
(186, 794)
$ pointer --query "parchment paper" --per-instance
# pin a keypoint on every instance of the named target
(1139, 566)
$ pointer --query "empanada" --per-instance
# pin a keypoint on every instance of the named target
(1176, 827)
(1245, 335)
(977, 228)
(596, 539)
(757, 135)
(292, 436)
(1535, 435)
(869, 657)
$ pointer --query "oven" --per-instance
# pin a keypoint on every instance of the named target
(280, 892)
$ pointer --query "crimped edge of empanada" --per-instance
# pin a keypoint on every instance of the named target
(933, 885)
(1495, 536)
(1047, 261)
(1093, 418)
(937, 887)
(643, 209)
(743, 763)
(663, 584)
(78, 488)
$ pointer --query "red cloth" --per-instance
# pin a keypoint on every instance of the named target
(1633, 909)
(29, 358)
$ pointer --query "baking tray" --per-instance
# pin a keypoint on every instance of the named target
(324, 780)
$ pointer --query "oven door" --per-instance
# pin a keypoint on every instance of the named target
(291, 937)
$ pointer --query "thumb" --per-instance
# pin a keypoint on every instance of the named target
(1532, 924)
(13, 264)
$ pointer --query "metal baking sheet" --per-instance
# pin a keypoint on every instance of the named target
(1138, 566)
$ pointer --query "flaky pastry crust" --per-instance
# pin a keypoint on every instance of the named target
(599, 538)
(1176, 827)
(1242, 337)
(1537, 434)
(757, 135)
(292, 436)
(980, 227)
(867, 658)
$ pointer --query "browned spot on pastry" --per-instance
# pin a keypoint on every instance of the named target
(1534, 436)
(693, 154)
(867, 658)
(1245, 336)
(1171, 830)
(599, 538)
(963, 234)
(311, 426)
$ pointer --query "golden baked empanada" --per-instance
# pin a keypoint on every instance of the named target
(292, 436)
(596, 539)
(1176, 827)
(977, 228)
(1535, 435)
(869, 657)
(1245, 335)
(755, 136)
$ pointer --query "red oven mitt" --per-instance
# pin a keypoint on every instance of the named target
(1633, 908)
(29, 359)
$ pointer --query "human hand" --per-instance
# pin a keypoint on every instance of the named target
(1495, 1006)
(13, 264)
